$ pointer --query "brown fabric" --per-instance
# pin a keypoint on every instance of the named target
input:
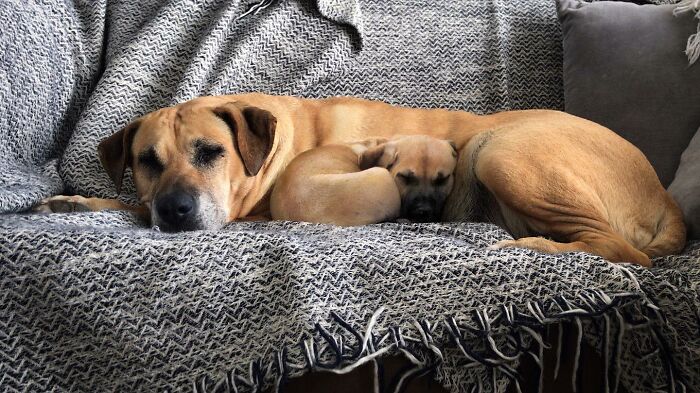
(361, 380)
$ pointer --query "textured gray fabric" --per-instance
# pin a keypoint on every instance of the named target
(148, 311)
(50, 56)
(625, 68)
(504, 57)
(96, 302)
(685, 187)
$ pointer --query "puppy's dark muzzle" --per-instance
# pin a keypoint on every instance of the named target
(177, 211)
(421, 209)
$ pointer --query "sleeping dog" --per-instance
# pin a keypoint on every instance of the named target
(557, 182)
(367, 182)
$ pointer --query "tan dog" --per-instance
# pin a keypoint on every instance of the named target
(212, 160)
(367, 182)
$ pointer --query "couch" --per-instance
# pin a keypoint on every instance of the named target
(101, 302)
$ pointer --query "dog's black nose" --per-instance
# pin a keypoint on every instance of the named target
(176, 210)
(421, 212)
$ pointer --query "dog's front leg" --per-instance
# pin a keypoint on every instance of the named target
(77, 203)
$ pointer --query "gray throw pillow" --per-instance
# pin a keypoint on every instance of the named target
(686, 186)
(625, 68)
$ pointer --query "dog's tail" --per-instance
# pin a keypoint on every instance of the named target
(670, 234)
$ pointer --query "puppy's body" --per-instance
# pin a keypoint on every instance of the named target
(561, 181)
(326, 185)
(366, 182)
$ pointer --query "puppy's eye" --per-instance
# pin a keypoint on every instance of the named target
(149, 160)
(407, 178)
(441, 180)
(206, 155)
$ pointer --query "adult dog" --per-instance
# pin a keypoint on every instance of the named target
(212, 160)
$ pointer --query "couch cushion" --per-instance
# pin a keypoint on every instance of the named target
(686, 186)
(625, 68)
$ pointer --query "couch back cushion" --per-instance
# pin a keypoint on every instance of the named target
(625, 68)
(685, 187)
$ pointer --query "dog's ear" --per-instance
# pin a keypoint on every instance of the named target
(115, 152)
(383, 155)
(253, 133)
(454, 148)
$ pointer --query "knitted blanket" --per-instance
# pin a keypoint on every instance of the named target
(99, 302)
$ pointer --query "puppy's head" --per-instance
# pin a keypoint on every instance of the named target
(422, 167)
(193, 163)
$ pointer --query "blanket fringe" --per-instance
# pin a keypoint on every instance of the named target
(256, 8)
(692, 49)
(492, 340)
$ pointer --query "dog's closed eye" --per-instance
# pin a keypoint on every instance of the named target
(206, 153)
(440, 180)
(150, 161)
(408, 178)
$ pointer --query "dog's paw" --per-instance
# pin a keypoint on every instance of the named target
(502, 244)
(63, 204)
(362, 146)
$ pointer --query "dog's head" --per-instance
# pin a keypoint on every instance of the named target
(192, 164)
(422, 167)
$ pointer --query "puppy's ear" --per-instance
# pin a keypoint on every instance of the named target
(454, 148)
(253, 133)
(115, 152)
(383, 155)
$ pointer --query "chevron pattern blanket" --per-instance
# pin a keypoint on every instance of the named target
(99, 302)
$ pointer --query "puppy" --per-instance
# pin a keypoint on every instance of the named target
(422, 168)
(366, 182)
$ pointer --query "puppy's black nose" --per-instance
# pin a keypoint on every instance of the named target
(176, 209)
(421, 212)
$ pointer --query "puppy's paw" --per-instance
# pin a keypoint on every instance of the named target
(63, 204)
(502, 244)
(362, 146)
(373, 142)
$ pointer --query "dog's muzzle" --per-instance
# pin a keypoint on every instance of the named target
(423, 208)
(176, 210)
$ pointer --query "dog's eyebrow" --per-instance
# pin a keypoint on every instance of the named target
(205, 143)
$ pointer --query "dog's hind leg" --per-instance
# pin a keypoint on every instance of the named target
(550, 199)
(670, 232)
(609, 246)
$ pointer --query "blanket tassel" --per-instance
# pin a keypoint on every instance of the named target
(692, 49)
